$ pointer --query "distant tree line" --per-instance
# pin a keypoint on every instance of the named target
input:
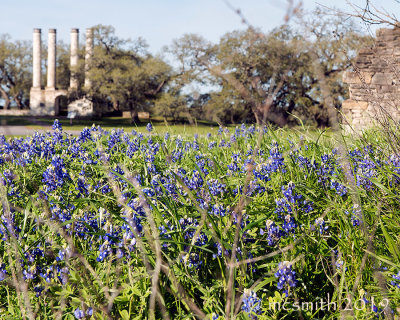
(237, 77)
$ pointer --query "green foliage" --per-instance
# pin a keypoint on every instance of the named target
(15, 72)
(123, 74)
(273, 73)
(333, 261)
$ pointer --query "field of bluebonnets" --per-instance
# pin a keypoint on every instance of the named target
(247, 223)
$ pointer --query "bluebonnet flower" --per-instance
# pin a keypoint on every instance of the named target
(64, 253)
(195, 182)
(218, 210)
(38, 290)
(251, 304)
(3, 272)
(89, 311)
(356, 216)
(303, 162)
(273, 232)
(164, 233)
(219, 250)
(364, 167)
(192, 260)
(216, 188)
(82, 186)
(276, 159)
(338, 187)
(178, 142)
(55, 175)
(7, 177)
(114, 139)
(289, 224)
(176, 155)
(339, 265)
(195, 145)
(8, 226)
(251, 130)
(166, 137)
(374, 308)
(57, 128)
(85, 135)
(396, 280)
(149, 127)
(322, 226)
(286, 276)
(132, 147)
(116, 173)
(212, 145)
(291, 202)
(56, 125)
(47, 274)
(79, 314)
(202, 163)
(29, 273)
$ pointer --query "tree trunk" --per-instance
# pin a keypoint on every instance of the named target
(19, 102)
(256, 115)
(134, 116)
(4, 95)
(115, 104)
(277, 118)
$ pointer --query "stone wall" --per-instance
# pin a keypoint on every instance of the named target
(82, 107)
(14, 112)
(374, 83)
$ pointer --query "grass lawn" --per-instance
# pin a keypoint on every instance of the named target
(160, 126)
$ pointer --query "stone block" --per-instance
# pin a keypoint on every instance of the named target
(353, 104)
(382, 79)
(82, 108)
(365, 52)
(387, 89)
(383, 31)
(144, 115)
(357, 78)
(14, 112)
(126, 114)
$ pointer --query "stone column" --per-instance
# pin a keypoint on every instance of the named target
(73, 84)
(88, 56)
(37, 59)
(51, 59)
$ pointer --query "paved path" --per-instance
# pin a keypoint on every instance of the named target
(24, 131)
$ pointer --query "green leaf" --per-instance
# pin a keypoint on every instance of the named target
(124, 314)
(394, 250)
(264, 283)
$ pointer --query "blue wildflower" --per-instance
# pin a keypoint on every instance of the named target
(251, 304)
(286, 276)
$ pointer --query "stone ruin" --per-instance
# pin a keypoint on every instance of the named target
(48, 101)
(374, 84)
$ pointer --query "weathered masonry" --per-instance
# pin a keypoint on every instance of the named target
(374, 84)
(48, 100)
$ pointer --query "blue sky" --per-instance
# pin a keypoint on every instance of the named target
(157, 21)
